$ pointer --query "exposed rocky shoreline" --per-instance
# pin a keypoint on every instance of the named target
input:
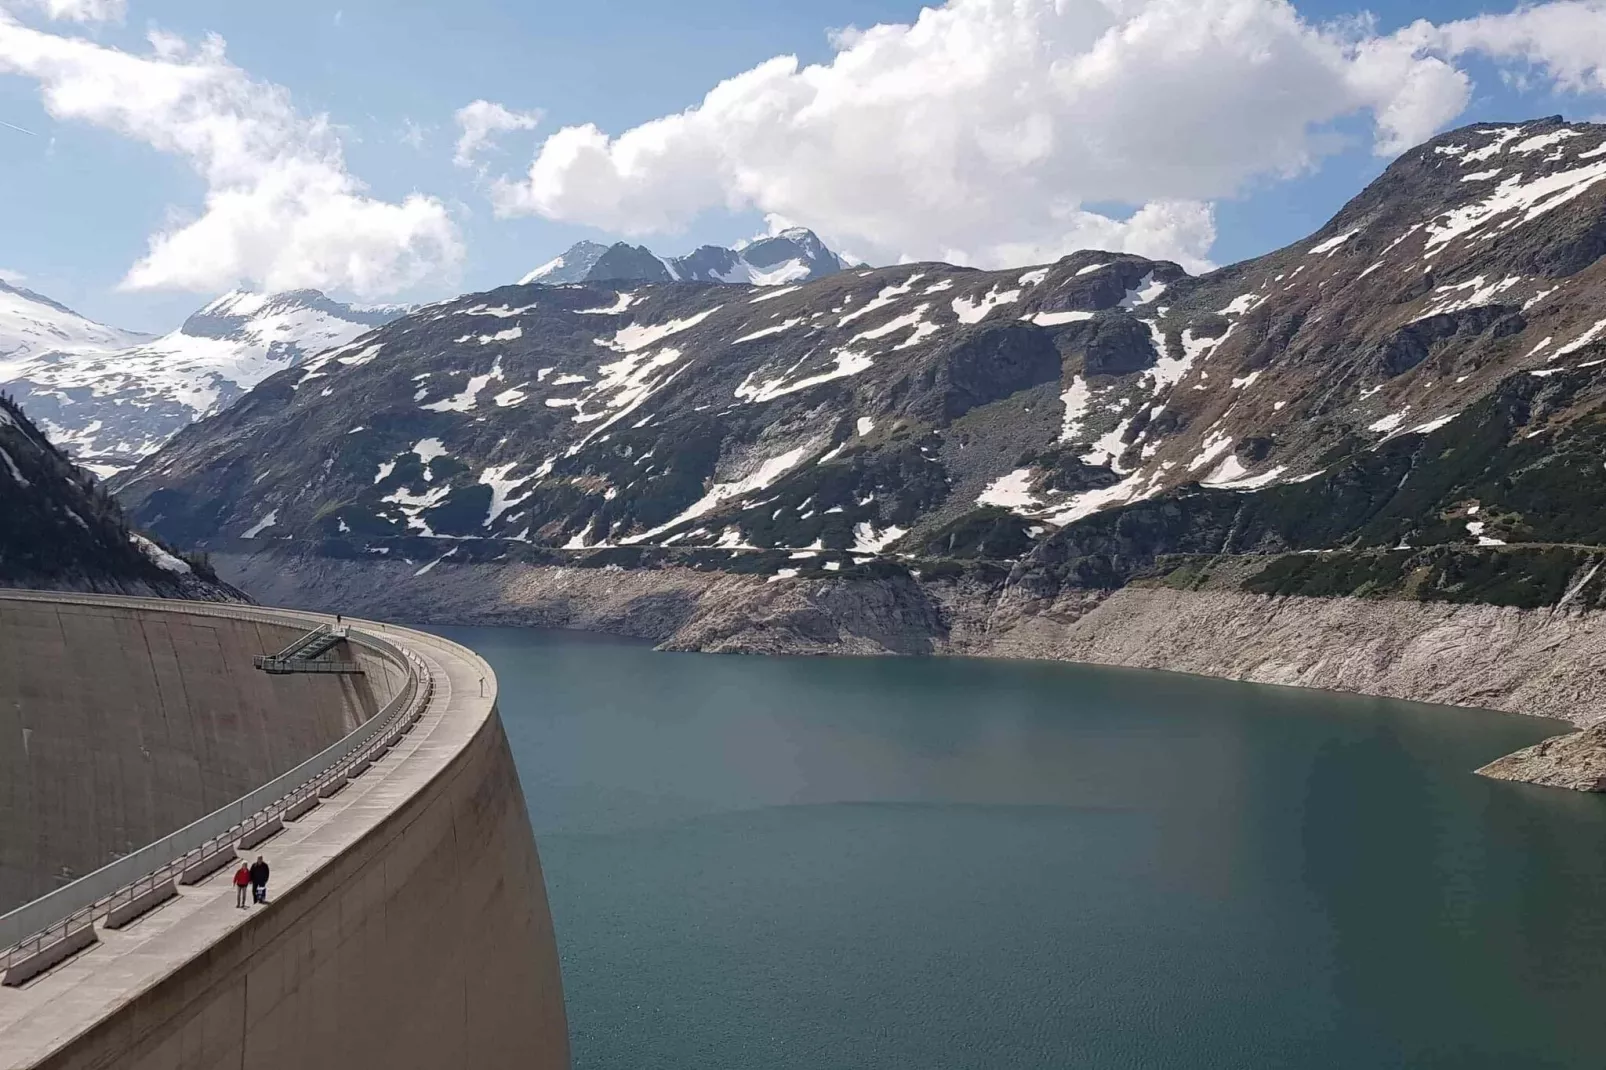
(1537, 662)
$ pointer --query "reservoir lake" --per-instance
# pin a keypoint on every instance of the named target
(819, 863)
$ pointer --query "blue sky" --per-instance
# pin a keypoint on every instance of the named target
(82, 200)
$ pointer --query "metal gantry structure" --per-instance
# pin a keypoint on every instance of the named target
(306, 654)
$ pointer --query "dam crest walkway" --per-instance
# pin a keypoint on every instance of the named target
(95, 989)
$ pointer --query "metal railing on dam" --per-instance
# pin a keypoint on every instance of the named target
(204, 845)
(408, 926)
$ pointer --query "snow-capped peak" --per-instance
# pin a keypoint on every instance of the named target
(235, 303)
(795, 254)
(32, 325)
(113, 396)
(571, 266)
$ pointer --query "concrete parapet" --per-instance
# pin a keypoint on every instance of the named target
(24, 970)
(261, 834)
(141, 904)
(197, 872)
(120, 724)
(300, 809)
(409, 925)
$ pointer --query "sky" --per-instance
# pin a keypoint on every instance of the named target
(155, 153)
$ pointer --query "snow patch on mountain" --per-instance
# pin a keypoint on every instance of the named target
(1144, 292)
(1010, 491)
(887, 296)
(1077, 398)
(1531, 197)
(844, 363)
(1055, 319)
(766, 473)
(639, 336)
(974, 310)
(1330, 246)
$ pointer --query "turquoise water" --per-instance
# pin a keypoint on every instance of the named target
(764, 863)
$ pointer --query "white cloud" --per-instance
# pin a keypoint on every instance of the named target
(12, 278)
(281, 210)
(83, 10)
(1161, 230)
(981, 131)
(480, 123)
(1565, 39)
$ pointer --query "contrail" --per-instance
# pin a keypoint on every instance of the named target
(18, 129)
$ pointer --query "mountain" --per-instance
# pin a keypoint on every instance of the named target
(595, 413)
(1417, 383)
(111, 397)
(58, 529)
(573, 265)
(795, 255)
(32, 325)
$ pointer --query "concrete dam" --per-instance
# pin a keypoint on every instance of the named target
(146, 746)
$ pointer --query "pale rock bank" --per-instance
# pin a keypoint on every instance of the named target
(1537, 662)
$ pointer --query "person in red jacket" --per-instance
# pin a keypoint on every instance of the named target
(242, 881)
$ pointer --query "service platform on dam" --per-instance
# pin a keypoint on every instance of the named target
(407, 922)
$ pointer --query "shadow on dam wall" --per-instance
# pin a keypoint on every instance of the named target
(408, 925)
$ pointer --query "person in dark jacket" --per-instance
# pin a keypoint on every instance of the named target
(259, 880)
(242, 881)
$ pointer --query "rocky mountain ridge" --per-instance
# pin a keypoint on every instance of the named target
(111, 396)
(792, 255)
(646, 408)
(1421, 371)
(59, 529)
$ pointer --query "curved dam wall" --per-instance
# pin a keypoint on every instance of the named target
(119, 725)
(407, 924)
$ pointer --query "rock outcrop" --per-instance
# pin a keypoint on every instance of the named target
(1576, 762)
